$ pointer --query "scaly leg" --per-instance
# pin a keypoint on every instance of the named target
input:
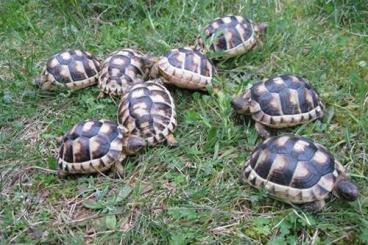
(171, 141)
(315, 206)
(261, 130)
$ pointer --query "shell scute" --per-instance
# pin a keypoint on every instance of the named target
(148, 110)
(90, 146)
(304, 166)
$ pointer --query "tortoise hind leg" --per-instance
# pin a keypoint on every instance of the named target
(315, 206)
(261, 130)
(101, 95)
(171, 141)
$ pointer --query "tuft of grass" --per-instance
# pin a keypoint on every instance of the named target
(189, 194)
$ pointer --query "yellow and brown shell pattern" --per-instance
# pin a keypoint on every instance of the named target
(232, 35)
(186, 68)
(90, 146)
(120, 70)
(148, 110)
(292, 168)
(284, 101)
(71, 68)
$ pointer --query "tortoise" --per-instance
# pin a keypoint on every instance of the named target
(95, 146)
(279, 102)
(120, 70)
(148, 110)
(70, 68)
(184, 68)
(231, 35)
(298, 170)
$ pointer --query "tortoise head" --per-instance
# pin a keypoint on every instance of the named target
(133, 144)
(346, 189)
(260, 28)
(241, 103)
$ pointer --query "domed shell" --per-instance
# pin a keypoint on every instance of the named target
(148, 110)
(71, 68)
(90, 146)
(293, 168)
(120, 70)
(186, 68)
(233, 35)
(283, 101)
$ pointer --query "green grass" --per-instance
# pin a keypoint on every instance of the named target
(189, 194)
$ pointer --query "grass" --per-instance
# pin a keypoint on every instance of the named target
(189, 194)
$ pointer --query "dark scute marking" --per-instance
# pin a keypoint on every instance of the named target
(185, 50)
(326, 167)
(315, 98)
(253, 181)
(74, 73)
(83, 154)
(103, 146)
(163, 107)
(189, 66)
(304, 105)
(265, 103)
(173, 60)
(292, 84)
(312, 177)
(254, 94)
(68, 151)
(56, 72)
(274, 87)
(220, 43)
(144, 99)
(246, 174)
(92, 131)
(306, 154)
(163, 120)
(97, 65)
(121, 68)
(284, 149)
(236, 38)
(66, 168)
(113, 132)
(61, 151)
(287, 107)
(285, 175)
(161, 93)
(143, 119)
(160, 125)
(247, 31)
(205, 70)
(263, 168)
(253, 161)
(62, 61)
(88, 69)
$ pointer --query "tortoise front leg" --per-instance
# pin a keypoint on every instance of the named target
(171, 141)
(261, 130)
(117, 167)
(315, 206)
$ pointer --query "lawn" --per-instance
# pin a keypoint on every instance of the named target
(189, 194)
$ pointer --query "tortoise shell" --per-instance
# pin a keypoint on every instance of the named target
(186, 68)
(292, 168)
(284, 101)
(148, 110)
(120, 70)
(71, 68)
(231, 35)
(90, 146)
